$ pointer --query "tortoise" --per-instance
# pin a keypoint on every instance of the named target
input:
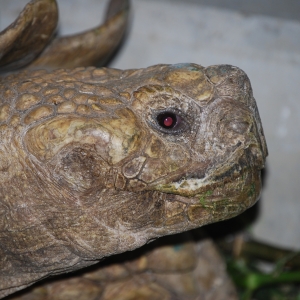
(95, 162)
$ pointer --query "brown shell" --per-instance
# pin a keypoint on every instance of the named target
(181, 267)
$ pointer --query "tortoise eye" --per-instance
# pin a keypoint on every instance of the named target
(168, 120)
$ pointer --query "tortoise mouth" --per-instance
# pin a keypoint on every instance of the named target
(188, 187)
(197, 184)
(190, 183)
(213, 199)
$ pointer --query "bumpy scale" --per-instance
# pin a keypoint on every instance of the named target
(88, 170)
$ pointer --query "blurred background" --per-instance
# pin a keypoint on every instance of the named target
(262, 37)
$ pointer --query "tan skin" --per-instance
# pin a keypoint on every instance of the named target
(95, 162)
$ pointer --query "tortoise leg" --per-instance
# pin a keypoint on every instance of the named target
(28, 41)
(28, 35)
(92, 47)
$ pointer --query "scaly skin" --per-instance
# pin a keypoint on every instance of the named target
(88, 171)
(30, 42)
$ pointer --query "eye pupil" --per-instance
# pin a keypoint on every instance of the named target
(168, 121)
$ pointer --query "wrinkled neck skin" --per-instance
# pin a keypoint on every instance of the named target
(77, 187)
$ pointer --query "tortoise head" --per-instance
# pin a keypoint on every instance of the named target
(203, 130)
(205, 141)
(175, 147)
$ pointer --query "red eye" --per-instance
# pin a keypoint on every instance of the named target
(168, 120)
